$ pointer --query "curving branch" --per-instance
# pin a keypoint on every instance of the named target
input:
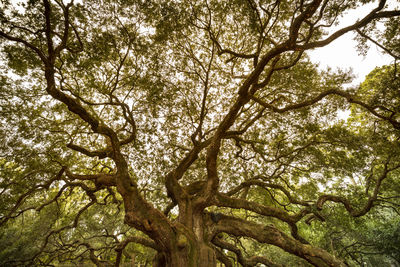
(74, 224)
(30, 192)
(257, 182)
(223, 200)
(25, 43)
(371, 198)
(223, 258)
(92, 255)
(350, 98)
(378, 44)
(245, 262)
(133, 239)
(373, 15)
(271, 235)
(222, 51)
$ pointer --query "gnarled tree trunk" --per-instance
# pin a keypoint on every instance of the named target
(196, 254)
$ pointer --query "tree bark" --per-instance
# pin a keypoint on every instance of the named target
(196, 255)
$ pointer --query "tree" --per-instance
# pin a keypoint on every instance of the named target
(198, 130)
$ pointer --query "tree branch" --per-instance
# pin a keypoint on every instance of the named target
(350, 98)
(271, 235)
(245, 262)
(101, 154)
(371, 198)
(377, 44)
(374, 14)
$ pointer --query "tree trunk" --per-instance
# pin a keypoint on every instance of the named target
(194, 255)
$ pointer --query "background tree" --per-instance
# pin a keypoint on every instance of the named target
(197, 130)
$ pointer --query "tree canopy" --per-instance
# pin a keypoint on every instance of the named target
(196, 133)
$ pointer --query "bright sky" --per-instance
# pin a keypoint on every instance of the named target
(342, 52)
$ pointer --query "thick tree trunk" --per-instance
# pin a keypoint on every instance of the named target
(195, 255)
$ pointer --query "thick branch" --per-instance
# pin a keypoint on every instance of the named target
(174, 189)
(140, 240)
(212, 184)
(295, 27)
(101, 154)
(271, 235)
(223, 200)
(100, 179)
(223, 258)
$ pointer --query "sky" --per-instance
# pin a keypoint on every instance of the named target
(342, 52)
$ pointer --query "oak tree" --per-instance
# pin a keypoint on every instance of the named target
(199, 130)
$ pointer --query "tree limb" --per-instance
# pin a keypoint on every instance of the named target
(271, 235)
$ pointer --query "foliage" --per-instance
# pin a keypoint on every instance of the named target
(182, 133)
